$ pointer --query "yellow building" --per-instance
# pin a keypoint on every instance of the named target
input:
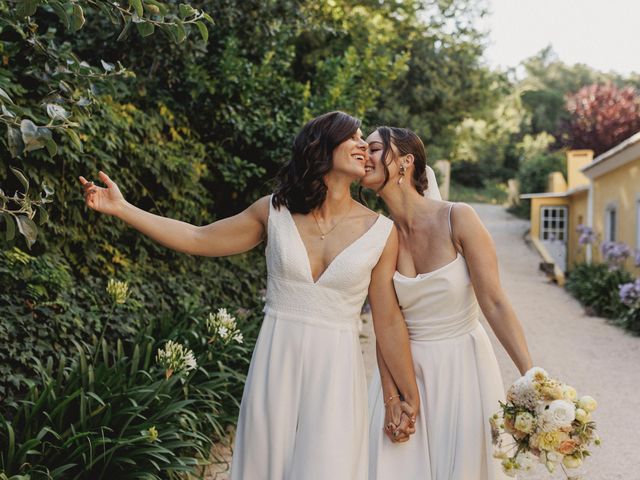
(614, 196)
(602, 193)
(556, 214)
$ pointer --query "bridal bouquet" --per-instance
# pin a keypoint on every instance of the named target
(547, 422)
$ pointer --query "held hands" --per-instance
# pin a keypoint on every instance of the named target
(399, 420)
(107, 200)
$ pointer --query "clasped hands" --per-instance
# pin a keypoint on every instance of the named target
(399, 420)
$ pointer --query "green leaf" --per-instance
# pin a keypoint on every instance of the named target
(11, 226)
(5, 95)
(26, 8)
(137, 6)
(179, 32)
(145, 28)
(52, 148)
(61, 11)
(185, 10)
(44, 215)
(208, 18)
(56, 112)
(74, 138)
(203, 31)
(108, 67)
(22, 177)
(125, 30)
(28, 229)
(14, 141)
(77, 18)
(6, 112)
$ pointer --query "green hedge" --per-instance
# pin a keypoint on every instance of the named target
(597, 287)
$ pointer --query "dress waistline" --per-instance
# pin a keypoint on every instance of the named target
(352, 325)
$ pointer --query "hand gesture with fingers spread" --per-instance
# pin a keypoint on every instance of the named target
(107, 200)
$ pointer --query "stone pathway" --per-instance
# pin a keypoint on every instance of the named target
(586, 352)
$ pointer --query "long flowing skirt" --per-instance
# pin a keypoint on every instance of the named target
(460, 385)
(304, 409)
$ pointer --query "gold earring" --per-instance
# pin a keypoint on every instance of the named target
(403, 170)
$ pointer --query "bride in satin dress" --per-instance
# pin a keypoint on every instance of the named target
(447, 273)
(303, 413)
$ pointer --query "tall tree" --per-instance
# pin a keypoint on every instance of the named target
(602, 115)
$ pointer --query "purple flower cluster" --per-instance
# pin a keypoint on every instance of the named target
(637, 258)
(615, 253)
(587, 235)
(630, 293)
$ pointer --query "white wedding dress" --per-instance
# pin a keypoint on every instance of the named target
(304, 412)
(458, 379)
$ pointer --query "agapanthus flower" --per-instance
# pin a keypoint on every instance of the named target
(175, 358)
(630, 293)
(222, 326)
(118, 291)
(615, 253)
(587, 235)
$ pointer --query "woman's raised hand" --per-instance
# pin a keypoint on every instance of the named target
(107, 200)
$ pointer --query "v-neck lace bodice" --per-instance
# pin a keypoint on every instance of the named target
(334, 259)
(338, 294)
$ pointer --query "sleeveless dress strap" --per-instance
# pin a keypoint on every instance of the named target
(449, 217)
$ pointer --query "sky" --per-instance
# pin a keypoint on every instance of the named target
(604, 34)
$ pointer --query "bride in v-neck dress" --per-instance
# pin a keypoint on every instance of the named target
(447, 272)
(303, 413)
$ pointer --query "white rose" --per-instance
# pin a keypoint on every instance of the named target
(526, 460)
(587, 403)
(571, 462)
(559, 414)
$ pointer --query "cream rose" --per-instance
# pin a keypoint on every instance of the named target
(582, 416)
(571, 462)
(587, 403)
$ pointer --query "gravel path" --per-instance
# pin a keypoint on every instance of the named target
(596, 358)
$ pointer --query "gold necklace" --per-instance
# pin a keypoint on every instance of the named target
(324, 234)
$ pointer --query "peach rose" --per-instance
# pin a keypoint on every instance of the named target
(567, 447)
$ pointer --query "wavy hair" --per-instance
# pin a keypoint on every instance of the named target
(406, 142)
(300, 184)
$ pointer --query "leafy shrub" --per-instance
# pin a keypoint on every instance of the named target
(47, 307)
(596, 286)
(532, 176)
(111, 412)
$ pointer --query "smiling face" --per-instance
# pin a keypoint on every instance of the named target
(350, 156)
(375, 176)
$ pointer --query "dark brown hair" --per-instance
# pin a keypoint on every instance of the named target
(406, 142)
(300, 184)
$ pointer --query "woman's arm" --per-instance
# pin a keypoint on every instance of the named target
(399, 416)
(479, 251)
(228, 236)
(391, 331)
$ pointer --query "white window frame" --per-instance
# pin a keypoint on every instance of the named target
(551, 231)
(611, 232)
